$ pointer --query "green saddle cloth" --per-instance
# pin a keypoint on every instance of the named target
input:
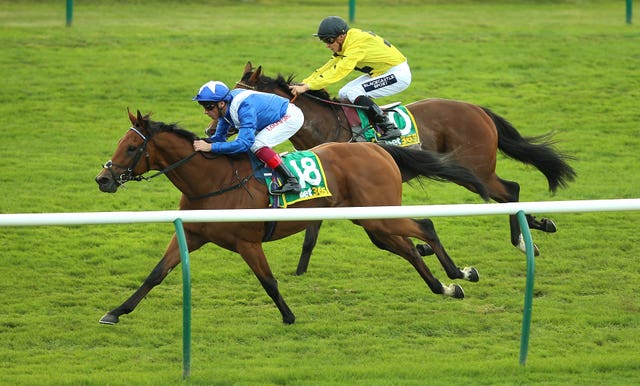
(306, 166)
(403, 119)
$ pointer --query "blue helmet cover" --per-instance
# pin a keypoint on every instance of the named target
(213, 91)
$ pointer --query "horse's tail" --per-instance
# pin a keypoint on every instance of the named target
(435, 166)
(537, 151)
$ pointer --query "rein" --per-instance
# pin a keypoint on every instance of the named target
(327, 101)
(171, 167)
(334, 106)
(330, 102)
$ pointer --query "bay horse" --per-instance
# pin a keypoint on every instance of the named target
(471, 134)
(227, 182)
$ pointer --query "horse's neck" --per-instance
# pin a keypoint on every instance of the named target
(322, 123)
(201, 174)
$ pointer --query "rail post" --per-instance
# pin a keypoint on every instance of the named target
(69, 12)
(528, 294)
(186, 299)
(352, 10)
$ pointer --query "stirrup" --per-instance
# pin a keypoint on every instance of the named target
(291, 185)
(390, 134)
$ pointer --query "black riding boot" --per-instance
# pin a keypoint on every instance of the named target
(290, 184)
(377, 117)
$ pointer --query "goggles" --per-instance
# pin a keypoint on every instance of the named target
(328, 40)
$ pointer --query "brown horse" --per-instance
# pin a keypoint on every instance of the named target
(226, 182)
(471, 134)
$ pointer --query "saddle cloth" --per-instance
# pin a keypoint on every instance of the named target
(363, 131)
(306, 166)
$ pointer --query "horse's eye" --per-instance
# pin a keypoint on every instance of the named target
(131, 148)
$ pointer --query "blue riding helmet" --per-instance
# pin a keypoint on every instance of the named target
(213, 91)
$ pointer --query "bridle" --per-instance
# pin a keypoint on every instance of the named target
(129, 174)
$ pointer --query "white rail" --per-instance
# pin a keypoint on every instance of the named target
(298, 214)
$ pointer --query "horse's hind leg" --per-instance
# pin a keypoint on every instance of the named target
(253, 255)
(310, 239)
(453, 272)
(512, 194)
(402, 246)
(544, 224)
(385, 235)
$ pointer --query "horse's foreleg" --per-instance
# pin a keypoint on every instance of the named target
(170, 259)
(425, 249)
(254, 256)
(310, 239)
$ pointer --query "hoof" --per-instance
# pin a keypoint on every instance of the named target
(291, 320)
(109, 319)
(471, 274)
(523, 248)
(424, 249)
(455, 291)
(548, 225)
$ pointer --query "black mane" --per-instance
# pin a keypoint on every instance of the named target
(282, 83)
(157, 127)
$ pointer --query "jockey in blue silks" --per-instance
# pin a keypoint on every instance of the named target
(262, 120)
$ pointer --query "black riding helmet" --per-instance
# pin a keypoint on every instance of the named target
(331, 27)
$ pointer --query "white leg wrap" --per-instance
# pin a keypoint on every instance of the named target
(522, 247)
(467, 272)
(449, 290)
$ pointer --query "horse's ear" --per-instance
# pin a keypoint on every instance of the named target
(132, 118)
(247, 68)
(255, 76)
(140, 117)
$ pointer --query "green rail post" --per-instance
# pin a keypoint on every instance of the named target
(69, 12)
(186, 299)
(629, 10)
(528, 295)
(352, 10)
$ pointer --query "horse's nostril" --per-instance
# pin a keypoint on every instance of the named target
(102, 180)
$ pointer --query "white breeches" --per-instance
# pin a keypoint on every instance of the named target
(397, 79)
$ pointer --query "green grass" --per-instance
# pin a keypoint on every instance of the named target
(364, 317)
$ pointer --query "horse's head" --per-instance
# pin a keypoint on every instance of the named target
(250, 77)
(254, 79)
(143, 140)
(125, 163)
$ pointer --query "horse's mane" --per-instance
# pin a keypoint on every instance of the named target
(283, 83)
(157, 127)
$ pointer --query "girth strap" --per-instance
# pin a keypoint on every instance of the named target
(240, 184)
